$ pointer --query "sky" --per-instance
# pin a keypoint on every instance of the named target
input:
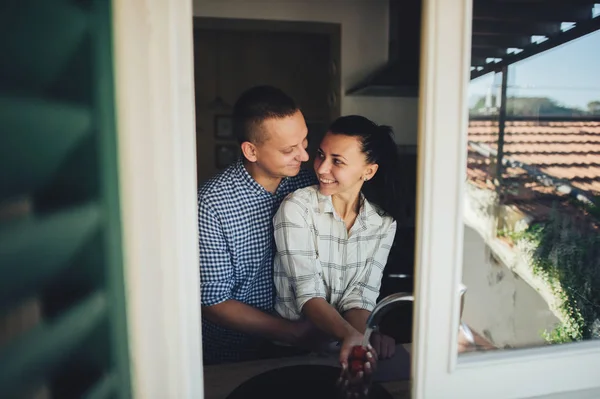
(569, 74)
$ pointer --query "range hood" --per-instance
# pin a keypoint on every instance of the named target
(400, 76)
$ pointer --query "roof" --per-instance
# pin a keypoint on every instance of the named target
(568, 151)
(499, 26)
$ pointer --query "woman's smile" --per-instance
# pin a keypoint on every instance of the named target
(326, 181)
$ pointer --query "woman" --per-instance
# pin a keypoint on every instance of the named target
(333, 239)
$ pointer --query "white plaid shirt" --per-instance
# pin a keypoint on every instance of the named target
(317, 258)
(235, 216)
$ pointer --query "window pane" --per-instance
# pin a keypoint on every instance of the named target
(531, 260)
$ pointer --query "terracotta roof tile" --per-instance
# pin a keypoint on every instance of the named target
(567, 150)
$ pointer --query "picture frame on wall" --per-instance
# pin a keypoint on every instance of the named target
(225, 155)
(224, 127)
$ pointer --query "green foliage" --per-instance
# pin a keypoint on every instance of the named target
(594, 210)
(563, 334)
(594, 107)
(566, 254)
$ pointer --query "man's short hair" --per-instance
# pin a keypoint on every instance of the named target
(256, 105)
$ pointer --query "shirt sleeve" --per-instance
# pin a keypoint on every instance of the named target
(297, 257)
(216, 269)
(363, 292)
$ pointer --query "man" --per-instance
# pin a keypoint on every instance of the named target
(236, 208)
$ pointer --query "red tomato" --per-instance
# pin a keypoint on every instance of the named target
(356, 366)
(359, 353)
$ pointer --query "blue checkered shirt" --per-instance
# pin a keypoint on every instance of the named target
(235, 216)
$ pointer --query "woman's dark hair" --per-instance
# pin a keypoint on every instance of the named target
(379, 147)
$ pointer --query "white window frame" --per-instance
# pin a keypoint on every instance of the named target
(153, 56)
(571, 370)
(154, 90)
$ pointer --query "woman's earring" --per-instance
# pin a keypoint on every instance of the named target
(366, 179)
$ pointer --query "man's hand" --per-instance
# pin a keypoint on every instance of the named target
(306, 335)
(247, 319)
(384, 346)
(301, 329)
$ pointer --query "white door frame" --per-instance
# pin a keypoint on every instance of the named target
(443, 123)
(153, 58)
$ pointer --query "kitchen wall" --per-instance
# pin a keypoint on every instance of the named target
(364, 48)
(228, 61)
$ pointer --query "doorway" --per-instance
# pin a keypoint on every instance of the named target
(301, 58)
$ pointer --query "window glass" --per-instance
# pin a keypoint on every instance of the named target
(531, 262)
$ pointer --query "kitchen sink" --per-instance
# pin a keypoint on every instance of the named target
(298, 382)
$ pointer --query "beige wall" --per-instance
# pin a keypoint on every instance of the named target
(364, 48)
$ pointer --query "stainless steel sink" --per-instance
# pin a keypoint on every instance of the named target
(298, 382)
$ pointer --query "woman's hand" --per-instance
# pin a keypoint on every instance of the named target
(358, 364)
(385, 346)
(351, 340)
(355, 378)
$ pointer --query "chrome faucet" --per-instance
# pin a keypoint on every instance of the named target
(385, 305)
(393, 301)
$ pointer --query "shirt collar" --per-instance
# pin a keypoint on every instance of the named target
(252, 184)
(367, 215)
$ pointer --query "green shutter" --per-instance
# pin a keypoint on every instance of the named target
(60, 236)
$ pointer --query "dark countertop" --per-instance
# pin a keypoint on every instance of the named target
(220, 380)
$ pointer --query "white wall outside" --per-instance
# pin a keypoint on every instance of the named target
(505, 301)
(499, 304)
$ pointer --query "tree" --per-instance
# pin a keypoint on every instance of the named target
(594, 107)
(531, 106)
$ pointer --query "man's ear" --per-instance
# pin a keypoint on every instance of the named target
(249, 151)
